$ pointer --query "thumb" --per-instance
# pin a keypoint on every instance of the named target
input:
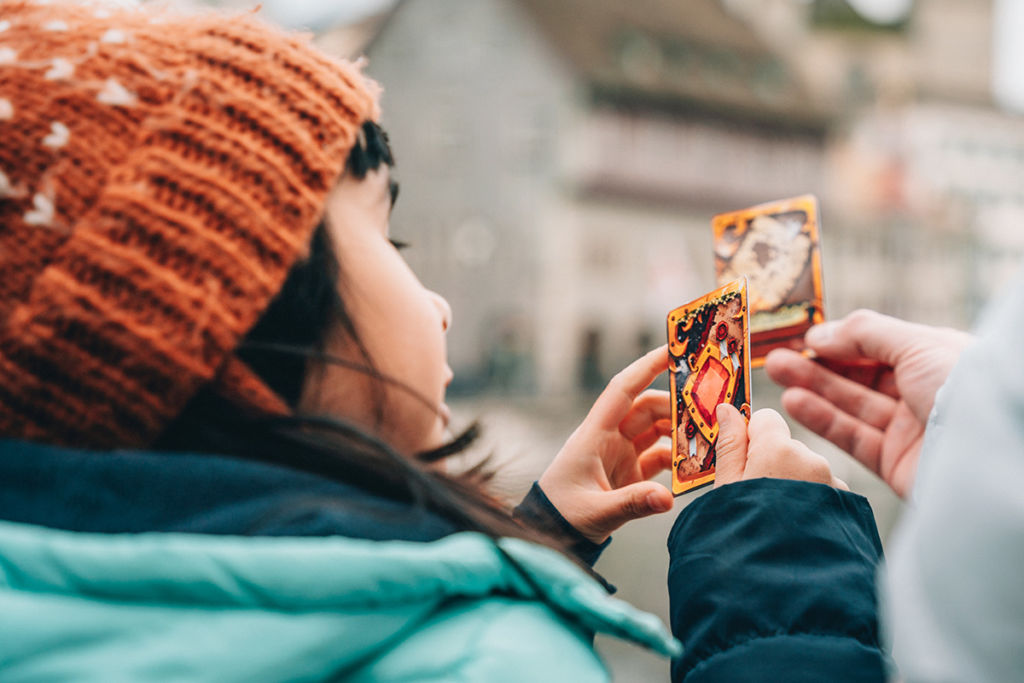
(625, 504)
(731, 446)
(863, 334)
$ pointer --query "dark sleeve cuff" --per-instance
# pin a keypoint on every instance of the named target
(773, 579)
(538, 512)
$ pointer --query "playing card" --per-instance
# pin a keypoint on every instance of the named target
(709, 349)
(776, 246)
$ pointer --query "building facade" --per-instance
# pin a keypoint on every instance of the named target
(564, 161)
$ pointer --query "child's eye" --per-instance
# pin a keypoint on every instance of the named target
(399, 245)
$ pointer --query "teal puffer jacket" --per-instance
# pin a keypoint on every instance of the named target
(160, 606)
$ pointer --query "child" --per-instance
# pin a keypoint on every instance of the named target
(206, 332)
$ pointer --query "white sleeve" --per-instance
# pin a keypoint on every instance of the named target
(953, 597)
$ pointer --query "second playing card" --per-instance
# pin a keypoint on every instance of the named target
(776, 246)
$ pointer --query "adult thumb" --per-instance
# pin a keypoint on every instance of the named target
(863, 334)
(731, 446)
(625, 504)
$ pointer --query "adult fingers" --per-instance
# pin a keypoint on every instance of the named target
(859, 439)
(650, 407)
(790, 369)
(616, 400)
(886, 384)
(865, 334)
(731, 446)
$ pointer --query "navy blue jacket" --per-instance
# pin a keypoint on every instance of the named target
(774, 580)
(137, 491)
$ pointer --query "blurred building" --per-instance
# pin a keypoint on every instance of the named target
(564, 161)
(925, 172)
(564, 158)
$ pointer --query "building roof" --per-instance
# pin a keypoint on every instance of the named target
(671, 52)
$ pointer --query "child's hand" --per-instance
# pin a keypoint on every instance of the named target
(764, 448)
(598, 481)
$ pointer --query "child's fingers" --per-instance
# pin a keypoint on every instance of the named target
(616, 400)
(650, 407)
(807, 465)
(654, 461)
(731, 446)
(625, 504)
(767, 430)
(773, 453)
(650, 437)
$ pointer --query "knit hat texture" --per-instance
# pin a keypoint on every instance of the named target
(160, 173)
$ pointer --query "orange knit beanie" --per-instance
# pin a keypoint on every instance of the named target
(160, 173)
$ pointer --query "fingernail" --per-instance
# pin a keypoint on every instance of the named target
(722, 412)
(820, 334)
(655, 502)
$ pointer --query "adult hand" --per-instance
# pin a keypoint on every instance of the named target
(764, 448)
(599, 480)
(880, 422)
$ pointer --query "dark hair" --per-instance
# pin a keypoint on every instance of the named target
(284, 345)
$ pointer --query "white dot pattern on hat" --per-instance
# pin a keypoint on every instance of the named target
(115, 94)
(56, 25)
(4, 25)
(43, 212)
(6, 110)
(114, 35)
(58, 137)
(60, 69)
(7, 55)
(6, 189)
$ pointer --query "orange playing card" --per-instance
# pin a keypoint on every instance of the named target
(709, 349)
(777, 247)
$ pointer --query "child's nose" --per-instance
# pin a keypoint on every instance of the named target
(444, 308)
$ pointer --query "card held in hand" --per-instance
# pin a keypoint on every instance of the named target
(776, 246)
(709, 349)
